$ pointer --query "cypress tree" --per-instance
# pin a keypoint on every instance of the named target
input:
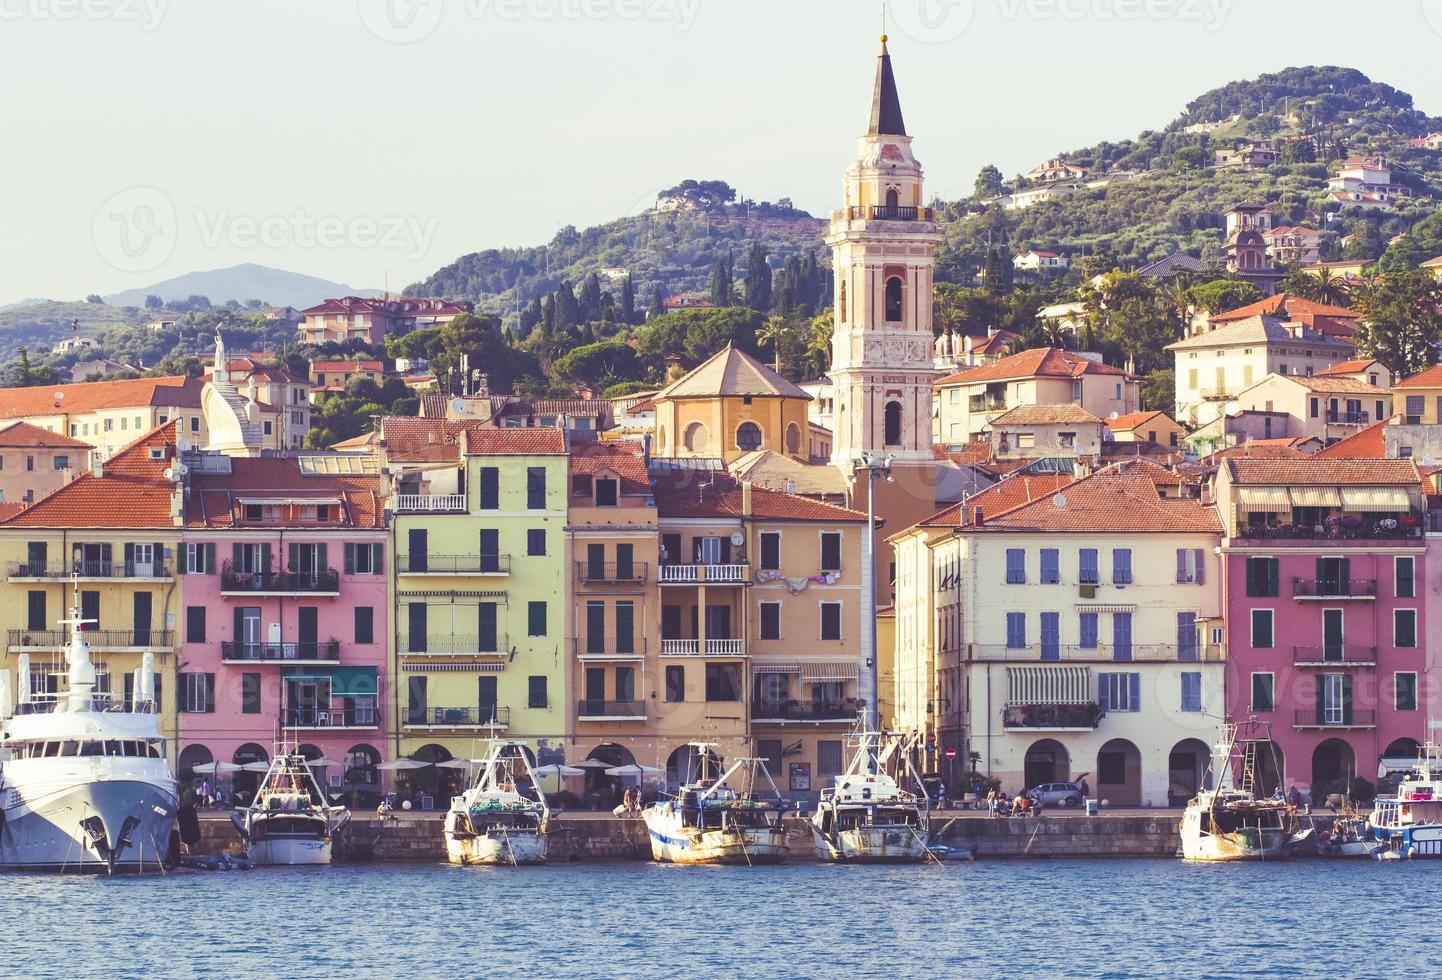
(758, 278)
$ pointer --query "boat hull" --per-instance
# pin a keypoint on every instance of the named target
(871, 845)
(515, 848)
(1266, 845)
(289, 851)
(1415, 841)
(688, 845)
(46, 832)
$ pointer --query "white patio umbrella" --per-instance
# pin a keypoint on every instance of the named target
(634, 769)
(395, 764)
(321, 762)
(556, 769)
(215, 768)
(460, 763)
(592, 764)
(256, 766)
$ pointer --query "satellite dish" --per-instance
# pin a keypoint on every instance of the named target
(737, 538)
(59, 396)
(1114, 415)
(182, 443)
(169, 473)
(183, 469)
(458, 405)
(1059, 501)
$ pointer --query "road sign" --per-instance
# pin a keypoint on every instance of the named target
(950, 752)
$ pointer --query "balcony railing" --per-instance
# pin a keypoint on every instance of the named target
(1101, 653)
(979, 403)
(452, 644)
(888, 212)
(96, 639)
(92, 569)
(1344, 718)
(431, 503)
(45, 704)
(793, 710)
(588, 709)
(482, 716)
(319, 581)
(473, 564)
(1217, 394)
(361, 716)
(1348, 418)
(730, 574)
(1082, 717)
(325, 652)
(1333, 588)
(1334, 656)
(610, 571)
(610, 646)
(1386, 529)
(692, 648)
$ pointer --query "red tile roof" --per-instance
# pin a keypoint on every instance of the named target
(1369, 443)
(515, 442)
(346, 365)
(173, 392)
(1355, 366)
(407, 306)
(24, 435)
(1287, 306)
(1133, 420)
(623, 457)
(1047, 415)
(1049, 362)
(1312, 471)
(133, 492)
(1014, 491)
(214, 499)
(1428, 378)
(1116, 499)
(716, 495)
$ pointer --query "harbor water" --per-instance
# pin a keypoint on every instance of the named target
(1094, 918)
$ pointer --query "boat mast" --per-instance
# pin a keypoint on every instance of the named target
(81, 669)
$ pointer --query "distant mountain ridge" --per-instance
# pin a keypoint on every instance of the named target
(275, 287)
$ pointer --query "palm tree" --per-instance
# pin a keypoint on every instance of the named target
(1177, 298)
(773, 331)
(1332, 289)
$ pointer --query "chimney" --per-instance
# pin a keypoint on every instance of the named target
(745, 499)
(980, 516)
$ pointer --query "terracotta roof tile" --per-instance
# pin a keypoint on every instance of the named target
(1429, 378)
(692, 494)
(1047, 415)
(515, 442)
(1355, 366)
(1115, 499)
(1133, 420)
(133, 491)
(1287, 306)
(1369, 443)
(1338, 385)
(1049, 362)
(1329, 471)
(175, 392)
(1010, 493)
(24, 435)
(731, 372)
(623, 457)
(213, 500)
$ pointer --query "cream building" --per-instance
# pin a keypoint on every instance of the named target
(1038, 431)
(1328, 408)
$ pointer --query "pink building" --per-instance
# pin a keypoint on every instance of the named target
(1325, 584)
(284, 625)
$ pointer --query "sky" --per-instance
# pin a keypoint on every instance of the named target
(373, 141)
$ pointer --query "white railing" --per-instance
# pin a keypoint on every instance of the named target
(680, 648)
(431, 502)
(725, 648)
(703, 573)
(714, 648)
(680, 573)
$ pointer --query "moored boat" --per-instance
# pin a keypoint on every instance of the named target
(503, 818)
(719, 820)
(1229, 820)
(866, 817)
(1409, 824)
(289, 821)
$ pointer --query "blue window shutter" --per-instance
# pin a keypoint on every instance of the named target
(1181, 564)
(1088, 629)
(1201, 571)
(1134, 682)
(1102, 691)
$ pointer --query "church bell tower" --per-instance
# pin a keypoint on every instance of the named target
(883, 254)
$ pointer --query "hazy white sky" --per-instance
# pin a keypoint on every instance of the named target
(360, 139)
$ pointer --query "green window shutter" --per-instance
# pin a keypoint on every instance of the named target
(265, 558)
(236, 562)
(350, 559)
(292, 557)
(378, 559)
(180, 568)
(322, 563)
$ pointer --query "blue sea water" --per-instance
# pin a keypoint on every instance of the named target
(1091, 918)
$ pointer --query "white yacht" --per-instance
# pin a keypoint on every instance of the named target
(503, 818)
(289, 820)
(867, 817)
(1228, 821)
(84, 784)
(1409, 824)
(719, 820)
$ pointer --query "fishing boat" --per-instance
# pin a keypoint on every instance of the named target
(503, 818)
(1409, 824)
(1229, 821)
(866, 817)
(84, 783)
(289, 820)
(719, 820)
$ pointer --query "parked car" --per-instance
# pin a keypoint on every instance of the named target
(1067, 794)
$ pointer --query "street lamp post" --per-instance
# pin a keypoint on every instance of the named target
(868, 682)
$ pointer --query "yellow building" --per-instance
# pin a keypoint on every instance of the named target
(730, 405)
(1418, 399)
(111, 534)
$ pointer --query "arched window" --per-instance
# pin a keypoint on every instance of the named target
(793, 438)
(696, 437)
(893, 199)
(748, 436)
(893, 423)
(661, 438)
(893, 300)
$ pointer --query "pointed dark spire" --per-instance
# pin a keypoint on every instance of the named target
(885, 103)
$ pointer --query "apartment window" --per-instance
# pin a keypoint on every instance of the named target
(536, 618)
(269, 427)
(30, 463)
(488, 488)
(1087, 572)
(1262, 629)
(1087, 627)
(1190, 567)
(194, 624)
(35, 610)
(250, 694)
(1120, 692)
(1050, 566)
(1121, 566)
(1416, 405)
(1405, 577)
(536, 691)
(62, 462)
(364, 559)
(723, 682)
(1121, 636)
(771, 550)
(197, 693)
(675, 683)
(607, 493)
(1015, 566)
(199, 559)
(194, 423)
(365, 624)
(1015, 630)
(770, 620)
(829, 757)
(1313, 407)
(535, 488)
(1404, 684)
(1263, 692)
(1263, 577)
(1191, 690)
(581, 485)
(831, 551)
(830, 620)
(1404, 628)
(535, 541)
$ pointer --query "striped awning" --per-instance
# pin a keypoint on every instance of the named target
(1272, 499)
(775, 667)
(1316, 497)
(839, 670)
(1376, 499)
(451, 667)
(1049, 685)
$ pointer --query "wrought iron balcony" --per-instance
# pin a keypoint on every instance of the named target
(1080, 717)
(1338, 655)
(472, 564)
(1334, 588)
(888, 212)
(99, 640)
(455, 644)
(480, 716)
(360, 716)
(610, 571)
(845, 710)
(1344, 717)
(297, 650)
(589, 710)
(320, 581)
(156, 569)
